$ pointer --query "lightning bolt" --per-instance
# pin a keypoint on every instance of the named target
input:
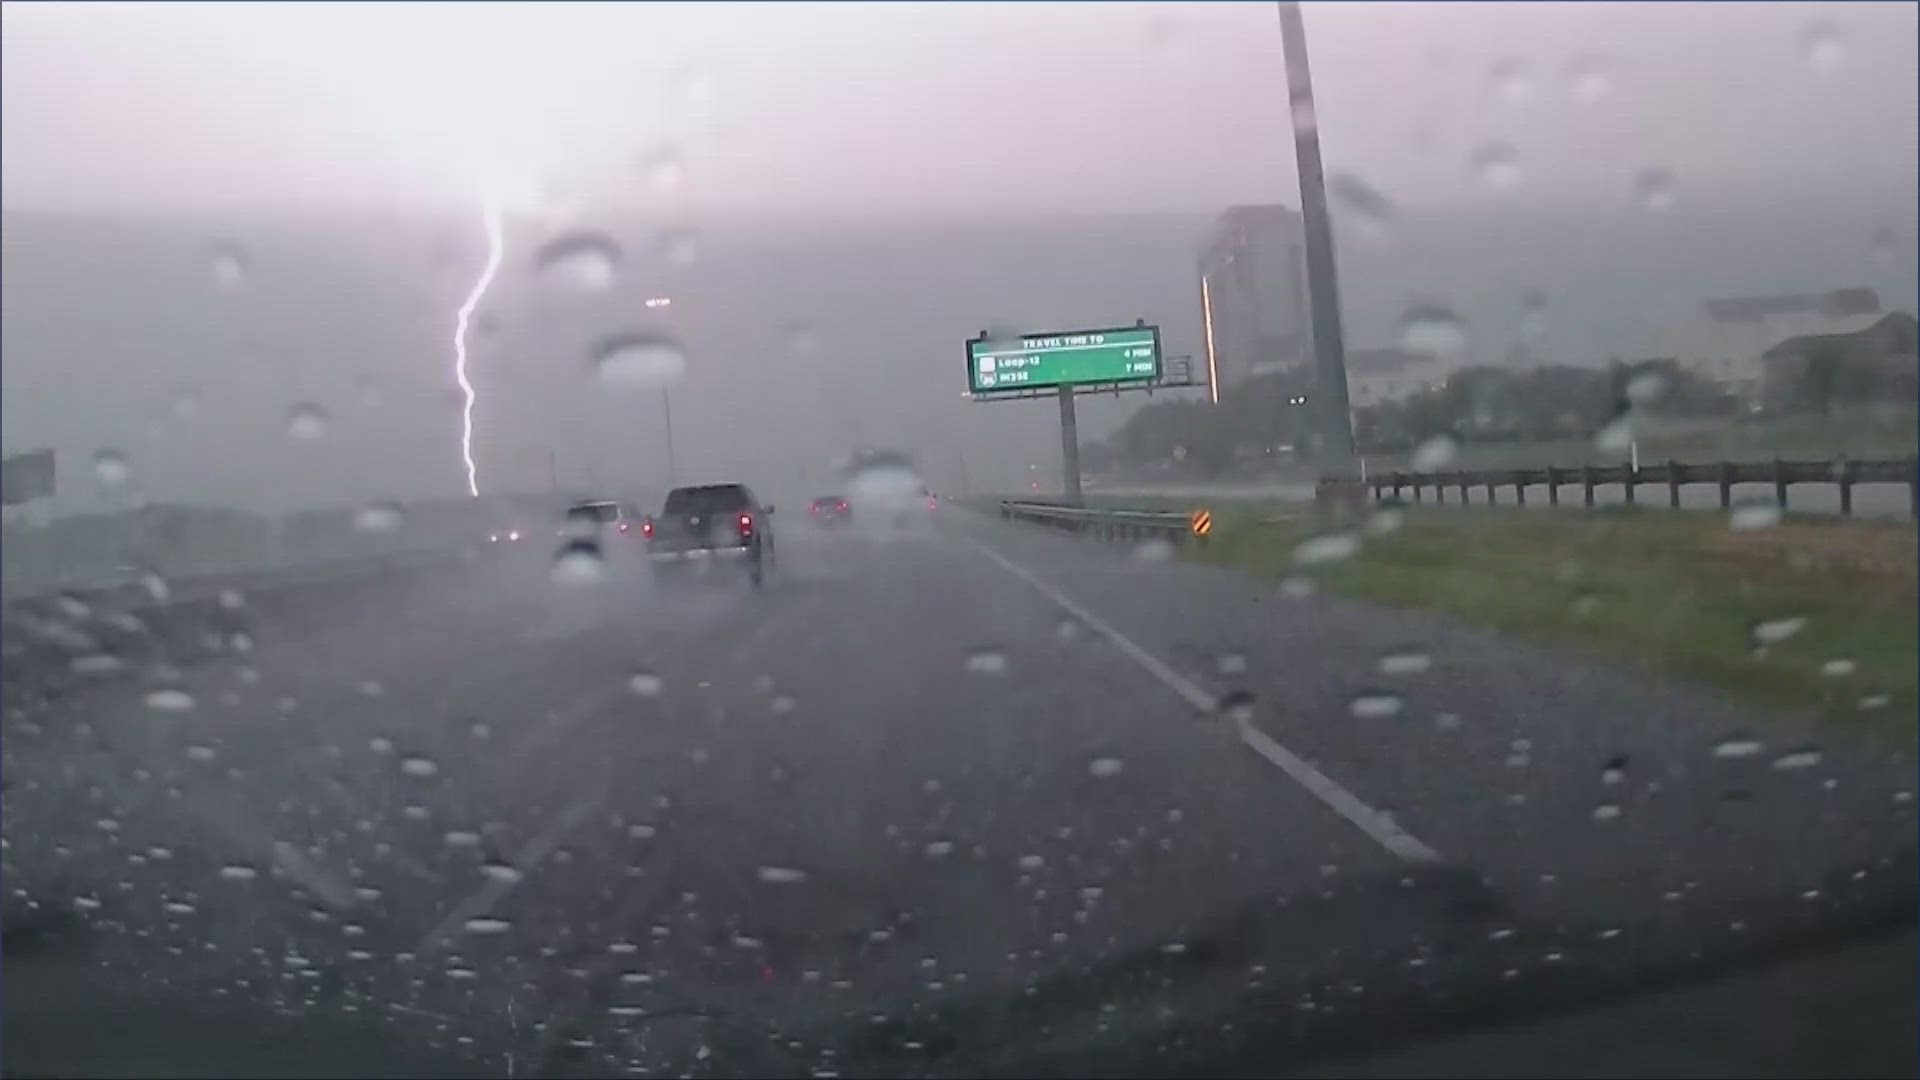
(490, 214)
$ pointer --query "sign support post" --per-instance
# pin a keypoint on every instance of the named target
(1069, 447)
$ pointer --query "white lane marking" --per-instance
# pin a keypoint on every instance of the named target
(1378, 825)
(495, 890)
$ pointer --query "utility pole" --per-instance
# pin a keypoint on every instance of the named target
(1335, 421)
(1069, 447)
(666, 410)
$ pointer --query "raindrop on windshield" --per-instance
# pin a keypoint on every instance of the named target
(1737, 748)
(639, 358)
(987, 662)
(1372, 210)
(200, 753)
(579, 564)
(110, 467)
(1384, 522)
(587, 261)
(1803, 758)
(480, 924)
(1822, 48)
(1588, 81)
(1509, 82)
(1325, 549)
(1105, 767)
(1435, 454)
(1775, 631)
(1644, 390)
(680, 246)
(1374, 706)
(1615, 771)
(1434, 330)
(306, 422)
(1231, 663)
(379, 517)
(1753, 516)
(229, 266)
(1875, 702)
(1606, 811)
(1405, 662)
(1653, 188)
(1236, 706)
(663, 167)
(380, 745)
(645, 683)
(939, 849)
(781, 875)
(462, 838)
(1616, 437)
(1496, 165)
(170, 701)
(1296, 588)
(238, 872)
(1837, 669)
(1030, 862)
(781, 705)
(1156, 550)
(419, 766)
(502, 872)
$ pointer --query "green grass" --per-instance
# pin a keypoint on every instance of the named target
(1667, 591)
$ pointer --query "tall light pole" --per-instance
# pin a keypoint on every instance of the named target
(1335, 421)
(666, 410)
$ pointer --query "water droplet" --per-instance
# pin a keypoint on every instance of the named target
(1875, 702)
(238, 872)
(1775, 631)
(1883, 247)
(1509, 82)
(1231, 663)
(100, 664)
(229, 266)
(1332, 547)
(1822, 47)
(1588, 80)
(372, 688)
(380, 745)
(1406, 662)
(1372, 210)
(366, 391)
(1384, 522)
(503, 872)
(636, 978)
(1837, 669)
(663, 167)
(1374, 706)
(462, 973)
(110, 467)
(170, 701)
(1447, 721)
(1157, 550)
(200, 753)
(1803, 758)
(1496, 165)
(306, 421)
(1737, 748)
(1435, 454)
(86, 903)
(1434, 330)
(1296, 588)
(379, 517)
(1615, 771)
(987, 662)
(582, 260)
(177, 907)
(1174, 949)
(1237, 706)
(463, 838)
(1653, 188)
(1616, 437)
(645, 683)
(579, 565)
(1753, 516)
(1106, 766)
(1606, 811)
(480, 924)
(938, 849)
(415, 813)
(1030, 862)
(680, 246)
(639, 358)
(419, 766)
(642, 832)
(781, 875)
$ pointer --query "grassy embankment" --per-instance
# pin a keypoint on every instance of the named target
(1675, 592)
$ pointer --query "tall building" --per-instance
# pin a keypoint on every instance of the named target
(1253, 295)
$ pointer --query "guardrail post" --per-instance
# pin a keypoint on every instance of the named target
(1726, 485)
(1519, 487)
(1843, 473)
(1586, 481)
(1553, 486)
(1439, 490)
(1780, 482)
(1417, 500)
(1490, 478)
(1631, 482)
(1460, 475)
(1673, 484)
(1396, 487)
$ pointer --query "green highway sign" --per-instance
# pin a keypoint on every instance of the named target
(1075, 358)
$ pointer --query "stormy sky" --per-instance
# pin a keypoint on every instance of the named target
(868, 184)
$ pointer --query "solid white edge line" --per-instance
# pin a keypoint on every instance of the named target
(1378, 825)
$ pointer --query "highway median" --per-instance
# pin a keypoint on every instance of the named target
(1811, 618)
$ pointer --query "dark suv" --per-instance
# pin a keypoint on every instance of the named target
(705, 525)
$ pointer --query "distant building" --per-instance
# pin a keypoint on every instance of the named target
(1728, 338)
(1377, 375)
(1253, 295)
(1881, 360)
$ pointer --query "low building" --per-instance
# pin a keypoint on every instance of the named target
(1728, 337)
(1389, 374)
(1879, 362)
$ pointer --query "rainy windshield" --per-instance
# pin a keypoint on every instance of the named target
(1357, 539)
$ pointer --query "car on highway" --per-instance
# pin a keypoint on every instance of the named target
(595, 518)
(830, 511)
(703, 527)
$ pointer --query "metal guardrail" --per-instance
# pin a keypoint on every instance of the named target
(1102, 524)
(1671, 474)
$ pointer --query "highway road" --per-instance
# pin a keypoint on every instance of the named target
(961, 799)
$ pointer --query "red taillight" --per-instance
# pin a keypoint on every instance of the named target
(933, 503)
(814, 509)
(746, 526)
(646, 528)
(843, 504)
